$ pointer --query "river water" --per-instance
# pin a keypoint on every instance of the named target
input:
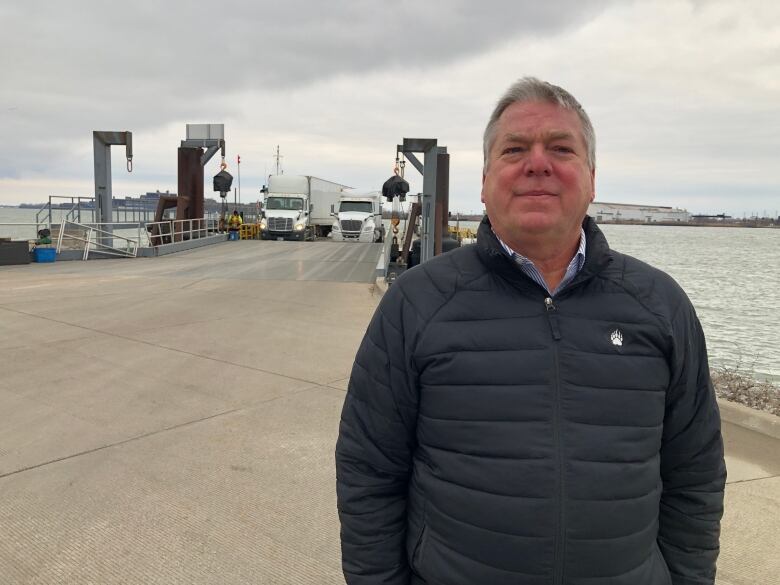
(732, 276)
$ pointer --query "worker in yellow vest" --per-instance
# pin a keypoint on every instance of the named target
(234, 224)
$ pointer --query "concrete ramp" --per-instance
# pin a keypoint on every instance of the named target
(271, 260)
(172, 420)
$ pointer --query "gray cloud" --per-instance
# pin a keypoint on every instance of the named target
(72, 67)
(67, 47)
(683, 94)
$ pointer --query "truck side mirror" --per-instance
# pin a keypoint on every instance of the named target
(332, 209)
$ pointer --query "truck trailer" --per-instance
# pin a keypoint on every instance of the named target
(299, 207)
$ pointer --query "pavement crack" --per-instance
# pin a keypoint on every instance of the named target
(118, 443)
(160, 346)
(193, 283)
(158, 432)
(752, 479)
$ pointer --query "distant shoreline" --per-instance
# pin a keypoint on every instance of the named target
(747, 223)
(732, 223)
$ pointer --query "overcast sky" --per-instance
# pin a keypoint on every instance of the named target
(684, 95)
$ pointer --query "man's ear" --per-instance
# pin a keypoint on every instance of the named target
(482, 193)
(592, 185)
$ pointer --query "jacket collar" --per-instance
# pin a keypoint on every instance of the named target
(597, 257)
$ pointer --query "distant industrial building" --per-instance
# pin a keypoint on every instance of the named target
(625, 212)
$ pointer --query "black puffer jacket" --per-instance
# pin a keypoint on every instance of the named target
(491, 437)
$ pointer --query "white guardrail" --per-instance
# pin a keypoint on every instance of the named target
(101, 238)
(122, 239)
(96, 239)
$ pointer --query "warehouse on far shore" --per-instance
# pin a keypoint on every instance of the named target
(625, 212)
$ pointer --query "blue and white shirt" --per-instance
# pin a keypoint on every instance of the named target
(528, 267)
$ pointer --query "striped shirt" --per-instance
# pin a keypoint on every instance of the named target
(530, 270)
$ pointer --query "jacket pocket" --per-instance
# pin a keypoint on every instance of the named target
(663, 568)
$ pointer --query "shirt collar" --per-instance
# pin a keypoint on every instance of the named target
(579, 256)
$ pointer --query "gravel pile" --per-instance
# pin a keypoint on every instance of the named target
(733, 385)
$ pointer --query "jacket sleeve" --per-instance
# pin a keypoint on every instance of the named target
(375, 448)
(692, 466)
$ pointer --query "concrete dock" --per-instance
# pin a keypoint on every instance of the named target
(172, 420)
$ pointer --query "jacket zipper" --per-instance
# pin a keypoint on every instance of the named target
(560, 543)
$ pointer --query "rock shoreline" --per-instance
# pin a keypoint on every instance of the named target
(735, 386)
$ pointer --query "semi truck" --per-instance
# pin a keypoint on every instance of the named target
(358, 218)
(299, 207)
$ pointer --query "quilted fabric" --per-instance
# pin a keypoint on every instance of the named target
(491, 436)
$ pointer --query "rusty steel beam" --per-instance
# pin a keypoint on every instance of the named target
(442, 201)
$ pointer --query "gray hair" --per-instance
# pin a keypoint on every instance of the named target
(531, 89)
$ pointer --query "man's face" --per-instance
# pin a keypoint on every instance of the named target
(537, 184)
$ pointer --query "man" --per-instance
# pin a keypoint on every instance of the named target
(235, 221)
(536, 408)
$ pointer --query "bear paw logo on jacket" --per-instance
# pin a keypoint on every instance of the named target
(616, 337)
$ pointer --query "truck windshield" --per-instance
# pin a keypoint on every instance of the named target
(364, 206)
(289, 203)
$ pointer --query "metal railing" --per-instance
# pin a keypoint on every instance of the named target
(121, 239)
(162, 233)
(94, 240)
(72, 213)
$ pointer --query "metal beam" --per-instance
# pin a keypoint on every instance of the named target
(212, 145)
(442, 200)
(206, 157)
(415, 162)
(431, 183)
(428, 204)
(414, 213)
(101, 143)
(417, 144)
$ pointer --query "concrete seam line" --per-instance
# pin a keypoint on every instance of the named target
(118, 443)
(751, 480)
(163, 430)
(759, 421)
(159, 346)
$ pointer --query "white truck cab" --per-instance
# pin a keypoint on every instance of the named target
(358, 218)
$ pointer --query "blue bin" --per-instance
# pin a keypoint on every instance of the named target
(45, 254)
